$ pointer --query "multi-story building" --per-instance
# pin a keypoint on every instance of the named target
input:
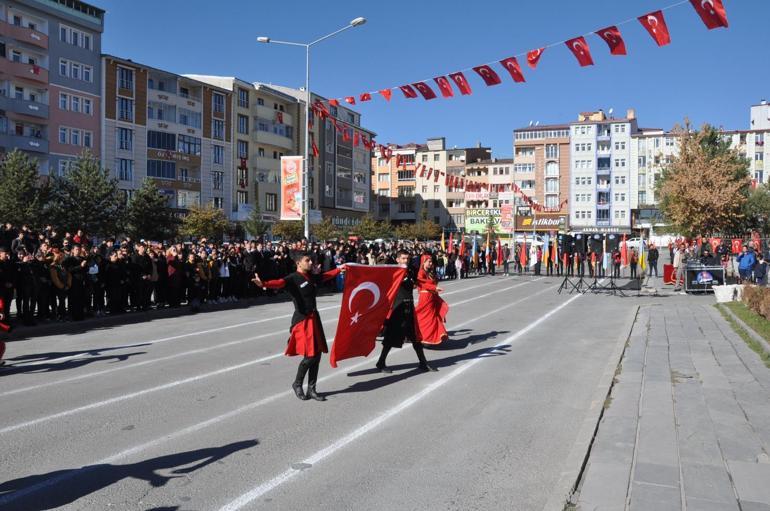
(170, 128)
(393, 185)
(600, 161)
(264, 128)
(541, 165)
(50, 71)
(339, 179)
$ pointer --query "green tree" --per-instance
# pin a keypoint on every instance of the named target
(204, 222)
(87, 198)
(427, 230)
(326, 230)
(371, 229)
(757, 210)
(149, 216)
(289, 230)
(406, 231)
(705, 189)
(23, 194)
(255, 225)
(491, 227)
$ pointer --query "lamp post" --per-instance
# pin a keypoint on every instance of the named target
(305, 160)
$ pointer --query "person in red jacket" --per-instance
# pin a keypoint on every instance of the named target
(3, 327)
(307, 333)
(431, 310)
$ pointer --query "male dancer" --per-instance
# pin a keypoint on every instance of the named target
(307, 333)
(400, 323)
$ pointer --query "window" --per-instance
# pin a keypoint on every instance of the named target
(190, 118)
(161, 140)
(424, 158)
(74, 68)
(620, 180)
(271, 201)
(63, 135)
(218, 101)
(243, 124)
(642, 197)
(125, 139)
(383, 178)
(218, 129)
(63, 67)
(243, 149)
(218, 202)
(551, 151)
(436, 157)
(243, 98)
(16, 56)
(87, 106)
(63, 101)
(620, 162)
(217, 180)
(74, 37)
(126, 78)
(551, 168)
(552, 185)
(620, 146)
(219, 154)
(261, 152)
(125, 169)
(435, 189)
(161, 169)
(261, 102)
(189, 145)
(125, 109)
(243, 197)
(75, 104)
(87, 138)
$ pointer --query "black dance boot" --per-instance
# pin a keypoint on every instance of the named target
(424, 366)
(381, 362)
(297, 386)
(312, 394)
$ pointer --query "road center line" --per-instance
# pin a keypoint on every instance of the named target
(30, 490)
(184, 381)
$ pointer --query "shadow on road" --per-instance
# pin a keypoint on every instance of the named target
(38, 363)
(457, 344)
(365, 386)
(63, 487)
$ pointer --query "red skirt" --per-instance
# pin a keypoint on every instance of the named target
(429, 318)
(307, 338)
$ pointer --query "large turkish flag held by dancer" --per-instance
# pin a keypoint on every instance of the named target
(366, 300)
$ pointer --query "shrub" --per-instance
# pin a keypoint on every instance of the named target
(758, 300)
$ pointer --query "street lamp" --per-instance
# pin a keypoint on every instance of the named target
(262, 39)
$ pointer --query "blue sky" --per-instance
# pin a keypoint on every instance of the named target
(707, 75)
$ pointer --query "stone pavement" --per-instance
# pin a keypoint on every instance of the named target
(687, 423)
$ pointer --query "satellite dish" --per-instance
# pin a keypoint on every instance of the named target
(610, 112)
(530, 124)
(537, 123)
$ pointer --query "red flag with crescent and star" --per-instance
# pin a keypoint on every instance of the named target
(366, 300)
(408, 91)
(533, 57)
(350, 100)
(488, 75)
(386, 93)
(582, 52)
(512, 65)
(712, 12)
(334, 102)
(365, 96)
(614, 40)
(424, 89)
(461, 82)
(444, 87)
(655, 24)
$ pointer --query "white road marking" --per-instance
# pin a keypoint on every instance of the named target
(184, 381)
(192, 334)
(30, 490)
(441, 383)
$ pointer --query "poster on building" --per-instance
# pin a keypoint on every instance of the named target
(506, 218)
(291, 187)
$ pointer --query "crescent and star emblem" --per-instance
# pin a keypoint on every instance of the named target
(653, 21)
(710, 7)
(578, 47)
(364, 286)
(610, 37)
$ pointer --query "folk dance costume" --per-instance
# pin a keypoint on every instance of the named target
(4, 327)
(307, 334)
(400, 325)
(431, 310)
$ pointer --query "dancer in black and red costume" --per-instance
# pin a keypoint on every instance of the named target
(307, 333)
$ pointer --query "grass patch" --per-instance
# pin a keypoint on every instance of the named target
(751, 319)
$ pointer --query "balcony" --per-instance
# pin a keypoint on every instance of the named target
(180, 100)
(24, 34)
(31, 144)
(271, 114)
(602, 223)
(603, 170)
(266, 137)
(21, 106)
(24, 71)
(603, 187)
(603, 136)
(603, 150)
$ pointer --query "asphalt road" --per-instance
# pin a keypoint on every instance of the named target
(196, 412)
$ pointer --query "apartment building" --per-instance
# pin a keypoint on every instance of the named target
(340, 177)
(393, 185)
(600, 161)
(50, 72)
(264, 128)
(169, 128)
(541, 165)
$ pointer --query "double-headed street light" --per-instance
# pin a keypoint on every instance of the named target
(306, 192)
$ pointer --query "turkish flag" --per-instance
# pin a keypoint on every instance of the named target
(715, 242)
(444, 87)
(612, 37)
(365, 97)
(488, 75)
(366, 300)
(408, 91)
(316, 152)
(386, 93)
(656, 26)
(512, 65)
(279, 117)
(345, 135)
(422, 170)
(356, 138)
(350, 100)
(499, 252)
(461, 82)
(436, 175)
(424, 89)
(737, 244)
(712, 12)
(334, 102)
(533, 57)
(430, 173)
(582, 52)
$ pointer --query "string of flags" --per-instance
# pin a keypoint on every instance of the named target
(711, 12)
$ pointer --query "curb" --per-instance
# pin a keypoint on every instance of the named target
(752, 333)
(577, 459)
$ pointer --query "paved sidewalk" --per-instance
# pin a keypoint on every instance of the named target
(687, 425)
